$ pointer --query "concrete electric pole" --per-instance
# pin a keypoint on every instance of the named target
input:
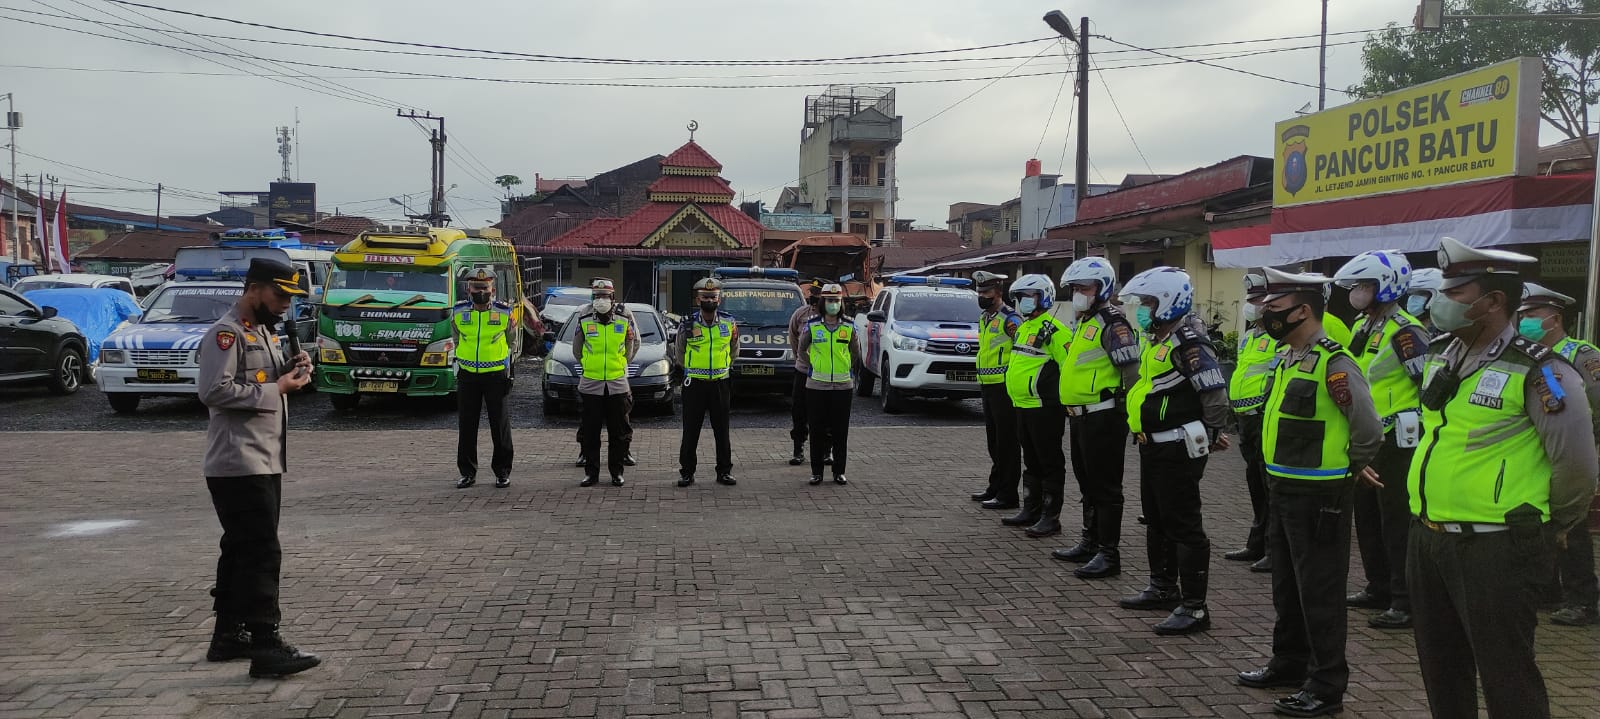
(14, 123)
(1059, 22)
(436, 214)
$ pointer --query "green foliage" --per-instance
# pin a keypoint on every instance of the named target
(1228, 349)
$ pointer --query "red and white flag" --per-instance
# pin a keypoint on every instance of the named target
(60, 246)
(39, 228)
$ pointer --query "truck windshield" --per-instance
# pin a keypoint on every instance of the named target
(377, 282)
(937, 307)
(761, 306)
(179, 304)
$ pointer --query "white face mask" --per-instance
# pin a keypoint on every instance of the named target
(1026, 305)
(603, 305)
(1082, 303)
(1361, 296)
(1416, 305)
(1450, 315)
(1252, 312)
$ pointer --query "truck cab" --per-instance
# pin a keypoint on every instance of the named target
(761, 299)
(921, 340)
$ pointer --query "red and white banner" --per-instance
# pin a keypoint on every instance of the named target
(59, 255)
(40, 230)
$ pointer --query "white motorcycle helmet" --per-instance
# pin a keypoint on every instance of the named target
(1035, 283)
(1425, 286)
(1170, 287)
(1095, 269)
(1388, 269)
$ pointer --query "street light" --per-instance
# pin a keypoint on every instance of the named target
(1058, 22)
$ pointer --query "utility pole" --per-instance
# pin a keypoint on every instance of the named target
(13, 123)
(436, 215)
(1058, 22)
(159, 188)
(1322, 62)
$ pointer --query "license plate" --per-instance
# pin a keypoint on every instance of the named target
(158, 375)
(378, 386)
(961, 376)
(757, 369)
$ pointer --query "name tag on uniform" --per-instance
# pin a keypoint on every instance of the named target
(1491, 385)
(1161, 353)
(494, 318)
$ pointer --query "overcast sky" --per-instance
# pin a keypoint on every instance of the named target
(204, 132)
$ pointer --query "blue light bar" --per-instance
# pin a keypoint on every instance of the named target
(771, 273)
(932, 281)
(248, 237)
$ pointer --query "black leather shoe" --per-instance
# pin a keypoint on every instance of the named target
(465, 482)
(1185, 620)
(1152, 598)
(1142, 520)
(983, 496)
(590, 481)
(502, 482)
(1269, 678)
(1045, 527)
(685, 480)
(1262, 566)
(628, 460)
(277, 659)
(1365, 600)
(617, 480)
(1244, 555)
(229, 643)
(726, 479)
(581, 462)
(799, 457)
(840, 479)
(1574, 615)
(1305, 704)
(997, 503)
(1081, 552)
(1021, 519)
(1106, 563)
(816, 479)
(1390, 619)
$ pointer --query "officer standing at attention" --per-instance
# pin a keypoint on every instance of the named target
(245, 383)
(1541, 320)
(831, 353)
(627, 458)
(997, 328)
(1101, 363)
(1319, 433)
(705, 346)
(606, 342)
(1176, 412)
(1033, 381)
(1506, 462)
(800, 428)
(482, 327)
(1247, 395)
(1425, 285)
(1390, 346)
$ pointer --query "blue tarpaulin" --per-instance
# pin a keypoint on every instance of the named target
(95, 310)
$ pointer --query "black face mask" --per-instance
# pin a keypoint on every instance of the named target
(479, 298)
(265, 317)
(1277, 324)
(709, 305)
(985, 303)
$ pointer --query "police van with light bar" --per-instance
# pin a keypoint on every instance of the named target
(158, 354)
(761, 299)
(921, 340)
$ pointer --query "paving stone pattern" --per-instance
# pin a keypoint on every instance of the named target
(894, 596)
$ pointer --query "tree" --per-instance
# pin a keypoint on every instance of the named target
(507, 182)
(1398, 57)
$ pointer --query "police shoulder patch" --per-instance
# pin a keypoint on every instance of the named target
(1547, 384)
(1591, 365)
(1329, 345)
(225, 339)
(1339, 388)
(1535, 351)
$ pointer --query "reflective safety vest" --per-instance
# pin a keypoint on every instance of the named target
(1039, 340)
(1164, 398)
(1247, 389)
(829, 352)
(1336, 329)
(1569, 348)
(1088, 375)
(1393, 390)
(994, 345)
(1480, 456)
(605, 348)
(1304, 435)
(708, 350)
(482, 346)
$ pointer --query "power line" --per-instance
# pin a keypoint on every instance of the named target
(1053, 103)
(1124, 120)
(1219, 67)
(211, 195)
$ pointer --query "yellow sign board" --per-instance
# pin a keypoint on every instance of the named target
(1477, 125)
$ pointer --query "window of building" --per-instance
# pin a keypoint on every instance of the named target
(883, 172)
(860, 167)
(838, 172)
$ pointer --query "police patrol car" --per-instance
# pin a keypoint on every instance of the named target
(921, 340)
(762, 299)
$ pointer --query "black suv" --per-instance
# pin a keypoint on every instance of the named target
(38, 346)
(761, 300)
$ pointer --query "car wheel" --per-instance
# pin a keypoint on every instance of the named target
(123, 403)
(68, 374)
(863, 382)
(345, 402)
(893, 401)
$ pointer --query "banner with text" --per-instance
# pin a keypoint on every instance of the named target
(1476, 125)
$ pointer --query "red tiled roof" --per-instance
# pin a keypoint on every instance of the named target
(691, 155)
(344, 224)
(943, 239)
(632, 230)
(692, 185)
(146, 245)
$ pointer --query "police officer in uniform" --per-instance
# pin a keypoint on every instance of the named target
(832, 352)
(1487, 506)
(1176, 411)
(605, 343)
(482, 327)
(1101, 363)
(704, 348)
(1541, 320)
(245, 381)
(627, 459)
(800, 427)
(997, 328)
(1247, 395)
(1318, 433)
(1033, 381)
(1390, 345)
(1425, 284)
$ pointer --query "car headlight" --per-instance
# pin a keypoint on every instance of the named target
(557, 369)
(329, 351)
(113, 356)
(439, 354)
(659, 368)
(910, 344)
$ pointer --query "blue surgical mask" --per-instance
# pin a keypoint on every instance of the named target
(1027, 305)
(1144, 318)
(1532, 328)
(1416, 305)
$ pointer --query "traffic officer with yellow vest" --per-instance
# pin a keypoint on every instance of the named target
(1390, 346)
(605, 344)
(832, 352)
(482, 327)
(1507, 461)
(1176, 411)
(1247, 395)
(1425, 284)
(1101, 363)
(704, 348)
(1319, 433)
(1542, 320)
(997, 328)
(1033, 381)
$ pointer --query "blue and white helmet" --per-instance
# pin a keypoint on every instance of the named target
(1092, 269)
(1388, 268)
(1036, 283)
(1170, 287)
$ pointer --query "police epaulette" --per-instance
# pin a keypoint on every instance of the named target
(501, 305)
(1187, 334)
(1328, 344)
(1111, 313)
(461, 304)
(1535, 351)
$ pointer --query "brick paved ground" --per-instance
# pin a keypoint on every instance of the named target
(895, 596)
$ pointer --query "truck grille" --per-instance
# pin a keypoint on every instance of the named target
(761, 354)
(943, 367)
(386, 355)
(960, 348)
(160, 358)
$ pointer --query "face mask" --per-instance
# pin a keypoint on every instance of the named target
(709, 305)
(603, 305)
(1361, 296)
(1532, 328)
(1027, 305)
(265, 317)
(1277, 324)
(1145, 319)
(1450, 315)
(831, 308)
(479, 298)
(1082, 303)
(1416, 305)
(1252, 312)
(985, 303)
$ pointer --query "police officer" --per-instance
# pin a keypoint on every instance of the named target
(1176, 412)
(482, 327)
(1486, 510)
(1101, 363)
(1318, 433)
(1033, 381)
(606, 342)
(705, 346)
(1425, 285)
(627, 458)
(800, 428)
(1390, 345)
(245, 381)
(832, 352)
(997, 328)
(1541, 320)
(1247, 395)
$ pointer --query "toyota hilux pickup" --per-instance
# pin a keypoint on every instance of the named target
(921, 341)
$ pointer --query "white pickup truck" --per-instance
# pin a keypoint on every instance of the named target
(920, 339)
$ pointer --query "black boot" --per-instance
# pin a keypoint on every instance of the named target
(273, 657)
(799, 457)
(1047, 526)
(1087, 545)
(1032, 509)
(1193, 576)
(1108, 533)
(1153, 597)
(229, 641)
(1106, 563)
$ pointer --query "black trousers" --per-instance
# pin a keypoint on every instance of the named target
(700, 398)
(474, 392)
(1175, 537)
(1005, 451)
(828, 411)
(612, 412)
(1474, 599)
(247, 569)
(1044, 466)
(1579, 586)
(1383, 519)
(1308, 541)
(798, 404)
(1255, 479)
(1098, 440)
